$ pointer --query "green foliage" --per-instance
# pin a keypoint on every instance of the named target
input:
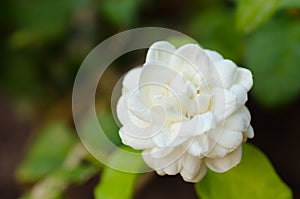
(290, 4)
(273, 55)
(116, 184)
(122, 13)
(254, 177)
(251, 14)
(213, 28)
(47, 153)
(41, 20)
(110, 128)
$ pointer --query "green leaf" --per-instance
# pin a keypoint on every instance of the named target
(122, 13)
(110, 128)
(41, 20)
(273, 56)
(47, 153)
(290, 4)
(214, 29)
(251, 14)
(116, 184)
(254, 177)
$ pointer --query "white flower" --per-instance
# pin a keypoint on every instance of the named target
(185, 108)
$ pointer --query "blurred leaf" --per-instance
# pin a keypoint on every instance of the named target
(116, 184)
(47, 153)
(251, 14)
(73, 170)
(290, 4)
(122, 13)
(39, 20)
(254, 177)
(273, 56)
(76, 175)
(110, 128)
(213, 28)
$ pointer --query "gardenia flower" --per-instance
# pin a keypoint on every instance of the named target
(185, 108)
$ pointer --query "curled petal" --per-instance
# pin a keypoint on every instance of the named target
(244, 77)
(213, 55)
(160, 52)
(131, 79)
(226, 71)
(191, 58)
(224, 164)
(250, 132)
(198, 125)
(199, 146)
(224, 103)
(239, 121)
(192, 168)
(227, 139)
(135, 142)
(170, 164)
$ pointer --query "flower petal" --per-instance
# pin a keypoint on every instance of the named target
(199, 146)
(226, 138)
(196, 126)
(122, 110)
(160, 52)
(191, 168)
(224, 164)
(135, 142)
(241, 94)
(213, 55)
(224, 103)
(238, 121)
(160, 152)
(226, 71)
(170, 164)
(250, 132)
(191, 58)
(131, 79)
(244, 77)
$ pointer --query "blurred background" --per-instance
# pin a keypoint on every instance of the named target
(43, 43)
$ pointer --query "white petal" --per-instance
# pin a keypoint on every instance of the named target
(154, 81)
(134, 142)
(122, 110)
(250, 132)
(156, 73)
(216, 151)
(134, 129)
(131, 79)
(241, 94)
(180, 85)
(213, 55)
(160, 152)
(199, 146)
(224, 103)
(244, 77)
(160, 52)
(137, 110)
(170, 164)
(191, 167)
(191, 58)
(202, 101)
(226, 71)
(226, 138)
(238, 121)
(196, 126)
(201, 173)
(226, 163)
(168, 138)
